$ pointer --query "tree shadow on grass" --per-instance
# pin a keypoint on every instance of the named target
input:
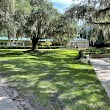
(57, 81)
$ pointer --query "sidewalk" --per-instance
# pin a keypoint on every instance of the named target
(5, 101)
(102, 69)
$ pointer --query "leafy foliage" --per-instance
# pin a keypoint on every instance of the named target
(95, 12)
(34, 18)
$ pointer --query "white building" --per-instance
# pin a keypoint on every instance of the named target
(4, 41)
(78, 43)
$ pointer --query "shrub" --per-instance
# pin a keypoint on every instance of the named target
(97, 51)
(39, 47)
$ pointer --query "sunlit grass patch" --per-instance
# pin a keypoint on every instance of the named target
(12, 50)
(56, 79)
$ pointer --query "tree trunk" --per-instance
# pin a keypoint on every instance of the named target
(35, 39)
(34, 43)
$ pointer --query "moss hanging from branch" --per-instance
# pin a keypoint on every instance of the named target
(95, 12)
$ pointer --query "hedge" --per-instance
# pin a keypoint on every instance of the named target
(96, 51)
(39, 47)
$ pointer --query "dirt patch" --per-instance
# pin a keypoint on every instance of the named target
(22, 104)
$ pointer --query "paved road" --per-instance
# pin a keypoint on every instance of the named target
(102, 68)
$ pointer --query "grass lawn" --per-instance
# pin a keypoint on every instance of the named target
(12, 50)
(55, 79)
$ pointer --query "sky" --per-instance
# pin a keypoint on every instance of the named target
(61, 5)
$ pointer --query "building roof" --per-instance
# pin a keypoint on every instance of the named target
(80, 40)
(23, 39)
(46, 40)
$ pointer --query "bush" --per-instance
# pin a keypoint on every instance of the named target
(49, 47)
(39, 47)
(13, 47)
(100, 45)
(97, 51)
(80, 55)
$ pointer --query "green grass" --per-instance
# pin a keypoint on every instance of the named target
(12, 50)
(56, 80)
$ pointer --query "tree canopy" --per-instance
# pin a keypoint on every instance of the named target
(36, 19)
(94, 12)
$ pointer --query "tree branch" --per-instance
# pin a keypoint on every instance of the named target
(104, 23)
(105, 9)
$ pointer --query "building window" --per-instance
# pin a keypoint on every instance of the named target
(1, 43)
(5, 43)
(80, 44)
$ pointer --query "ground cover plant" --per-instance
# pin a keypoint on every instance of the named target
(55, 80)
(97, 51)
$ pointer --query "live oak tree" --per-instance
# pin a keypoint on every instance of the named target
(95, 12)
(63, 29)
(92, 34)
(18, 16)
(22, 12)
(6, 15)
(36, 19)
(37, 26)
(45, 21)
(13, 16)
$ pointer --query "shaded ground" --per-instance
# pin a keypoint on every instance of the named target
(54, 80)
